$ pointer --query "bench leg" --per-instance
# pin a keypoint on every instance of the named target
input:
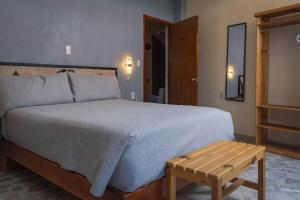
(5, 165)
(171, 185)
(261, 179)
(216, 190)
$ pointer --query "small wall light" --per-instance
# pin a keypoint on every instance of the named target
(298, 38)
(129, 65)
(230, 72)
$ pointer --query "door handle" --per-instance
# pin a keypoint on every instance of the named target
(195, 79)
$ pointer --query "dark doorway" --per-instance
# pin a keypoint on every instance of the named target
(158, 64)
(171, 61)
(155, 65)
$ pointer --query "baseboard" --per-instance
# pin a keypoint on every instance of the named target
(245, 138)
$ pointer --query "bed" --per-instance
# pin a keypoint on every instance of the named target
(113, 146)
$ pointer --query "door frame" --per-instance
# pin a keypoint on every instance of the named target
(156, 20)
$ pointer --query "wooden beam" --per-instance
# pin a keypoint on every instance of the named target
(280, 107)
(248, 184)
(284, 151)
(261, 178)
(233, 187)
(279, 11)
(282, 22)
(171, 184)
(289, 129)
(217, 190)
(262, 81)
(5, 165)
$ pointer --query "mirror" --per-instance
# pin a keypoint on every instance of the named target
(235, 66)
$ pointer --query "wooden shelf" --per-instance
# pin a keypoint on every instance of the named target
(283, 151)
(276, 23)
(276, 127)
(280, 107)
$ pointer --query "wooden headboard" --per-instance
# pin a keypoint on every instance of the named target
(45, 69)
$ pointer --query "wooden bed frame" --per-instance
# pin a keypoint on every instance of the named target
(70, 181)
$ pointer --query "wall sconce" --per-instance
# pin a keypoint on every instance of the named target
(230, 72)
(298, 38)
(129, 65)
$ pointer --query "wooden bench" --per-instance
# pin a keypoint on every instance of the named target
(216, 166)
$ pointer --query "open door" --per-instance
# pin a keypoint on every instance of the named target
(183, 62)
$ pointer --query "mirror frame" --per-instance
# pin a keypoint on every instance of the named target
(244, 63)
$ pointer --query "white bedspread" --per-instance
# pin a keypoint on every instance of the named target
(122, 143)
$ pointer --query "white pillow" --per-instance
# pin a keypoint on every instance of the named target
(94, 87)
(20, 91)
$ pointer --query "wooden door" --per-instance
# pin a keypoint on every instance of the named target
(183, 62)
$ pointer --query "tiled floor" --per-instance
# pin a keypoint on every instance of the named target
(283, 183)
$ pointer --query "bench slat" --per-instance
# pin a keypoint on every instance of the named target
(215, 156)
(242, 160)
(197, 153)
(224, 160)
(204, 157)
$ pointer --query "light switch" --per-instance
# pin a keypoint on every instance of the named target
(138, 63)
(68, 50)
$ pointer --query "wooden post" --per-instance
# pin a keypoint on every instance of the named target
(216, 190)
(171, 185)
(5, 165)
(262, 66)
(261, 179)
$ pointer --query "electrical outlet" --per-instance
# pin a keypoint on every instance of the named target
(68, 50)
(132, 95)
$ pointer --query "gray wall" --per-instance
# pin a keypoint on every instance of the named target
(179, 10)
(101, 32)
(284, 82)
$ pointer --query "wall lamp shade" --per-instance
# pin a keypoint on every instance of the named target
(230, 72)
(129, 65)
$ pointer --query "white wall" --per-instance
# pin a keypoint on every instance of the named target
(215, 16)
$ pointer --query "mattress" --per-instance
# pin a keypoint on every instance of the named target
(120, 143)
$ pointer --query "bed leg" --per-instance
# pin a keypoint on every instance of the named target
(5, 165)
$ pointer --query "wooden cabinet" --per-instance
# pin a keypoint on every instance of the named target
(266, 21)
